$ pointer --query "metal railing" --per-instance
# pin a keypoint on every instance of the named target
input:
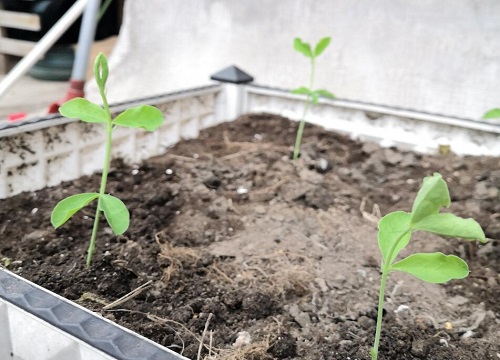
(87, 31)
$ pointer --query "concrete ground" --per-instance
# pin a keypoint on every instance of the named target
(33, 97)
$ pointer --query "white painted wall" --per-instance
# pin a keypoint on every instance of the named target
(433, 55)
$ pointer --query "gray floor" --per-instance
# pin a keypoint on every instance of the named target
(34, 97)
(31, 96)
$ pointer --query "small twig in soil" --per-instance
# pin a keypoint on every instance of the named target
(256, 268)
(222, 273)
(433, 321)
(183, 158)
(203, 336)
(163, 321)
(4, 226)
(280, 323)
(270, 189)
(128, 296)
(239, 153)
(92, 297)
(231, 207)
(72, 268)
(375, 215)
(210, 344)
(442, 333)
(395, 290)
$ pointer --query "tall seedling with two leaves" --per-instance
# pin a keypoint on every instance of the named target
(395, 230)
(143, 116)
(312, 95)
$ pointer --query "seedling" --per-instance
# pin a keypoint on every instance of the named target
(395, 231)
(143, 116)
(312, 95)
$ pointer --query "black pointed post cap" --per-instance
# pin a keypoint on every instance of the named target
(232, 74)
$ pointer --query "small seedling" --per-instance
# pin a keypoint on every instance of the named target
(492, 114)
(312, 95)
(394, 234)
(142, 116)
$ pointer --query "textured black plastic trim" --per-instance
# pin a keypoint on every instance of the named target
(78, 322)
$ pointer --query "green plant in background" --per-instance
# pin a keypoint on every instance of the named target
(394, 234)
(492, 114)
(312, 95)
(143, 116)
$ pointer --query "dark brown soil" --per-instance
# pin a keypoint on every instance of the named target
(278, 257)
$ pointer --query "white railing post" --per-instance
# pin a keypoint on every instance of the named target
(233, 93)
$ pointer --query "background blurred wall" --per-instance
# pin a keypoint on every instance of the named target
(432, 55)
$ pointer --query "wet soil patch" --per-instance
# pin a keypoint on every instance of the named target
(276, 259)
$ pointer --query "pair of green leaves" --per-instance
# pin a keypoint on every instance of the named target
(313, 94)
(144, 116)
(114, 209)
(395, 231)
(305, 49)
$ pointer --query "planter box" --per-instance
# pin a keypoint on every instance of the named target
(52, 150)
(46, 151)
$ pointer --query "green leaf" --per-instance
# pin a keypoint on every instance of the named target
(492, 114)
(451, 225)
(79, 108)
(142, 116)
(301, 90)
(393, 227)
(66, 208)
(325, 93)
(101, 70)
(435, 268)
(321, 46)
(302, 47)
(432, 195)
(116, 213)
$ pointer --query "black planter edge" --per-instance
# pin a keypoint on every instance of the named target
(79, 322)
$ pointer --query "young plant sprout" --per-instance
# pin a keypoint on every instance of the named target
(394, 234)
(143, 116)
(312, 95)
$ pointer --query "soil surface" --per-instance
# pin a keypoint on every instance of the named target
(277, 259)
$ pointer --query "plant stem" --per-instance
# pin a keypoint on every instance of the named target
(104, 177)
(302, 124)
(380, 313)
(298, 139)
(385, 272)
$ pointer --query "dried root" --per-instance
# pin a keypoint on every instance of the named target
(278, 274)
(176, 256)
